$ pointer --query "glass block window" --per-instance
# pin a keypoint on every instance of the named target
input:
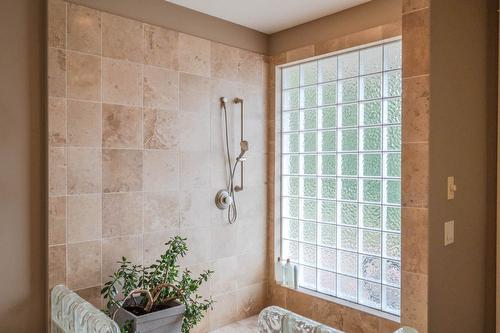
(341, 174)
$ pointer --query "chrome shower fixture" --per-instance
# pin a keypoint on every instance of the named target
(225, 198)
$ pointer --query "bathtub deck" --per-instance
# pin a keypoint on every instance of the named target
(248, 325)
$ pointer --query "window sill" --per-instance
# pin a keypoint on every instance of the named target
(358, 307)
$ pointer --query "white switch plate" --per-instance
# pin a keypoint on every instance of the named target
(451, 188)
(449, 233)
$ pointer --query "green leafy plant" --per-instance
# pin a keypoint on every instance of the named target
(158, 285)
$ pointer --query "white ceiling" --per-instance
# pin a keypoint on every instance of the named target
(268, 16)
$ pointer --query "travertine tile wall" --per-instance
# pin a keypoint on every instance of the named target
(136, 155)
(414, 30)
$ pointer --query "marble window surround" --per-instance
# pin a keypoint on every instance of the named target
(414, 29)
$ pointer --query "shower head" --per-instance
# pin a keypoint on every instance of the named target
(223, 100)
(244, 149)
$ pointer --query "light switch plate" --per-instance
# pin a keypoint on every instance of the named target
(449, 233)
(451, 188)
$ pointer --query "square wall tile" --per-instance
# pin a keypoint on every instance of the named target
(84, 124)
(251, 269)
(84, 265)
(154, 244)
(57, 265)
(113, 249)
(121, 214)
(415, 175)
(121, 82)
(91, 295)
(416, 105)
(121, 126)
(56, 14)
(57, 220)
(160, 129)
(416, 45)
(84, 170)
(251, 67)
(198, 242)
(161, 88)
(251, 300)
(84, 217)
(84, 76)
(57, 121)
(195, 131)
(161, 170)
(56, 72)
(122, 38)
(225, 275)
(225, 310)
(412, 5)
(161, 211)
(224, 62)
(196, 207)
(414, 239)
(84, 29)
(194, 170)
(194, 93)
(194, 55)
(122, 170)
(160, 47)
(57, 170)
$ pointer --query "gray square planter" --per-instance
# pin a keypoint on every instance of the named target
(163, 321)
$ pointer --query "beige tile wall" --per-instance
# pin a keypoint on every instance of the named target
(414, 29)
(136, 155)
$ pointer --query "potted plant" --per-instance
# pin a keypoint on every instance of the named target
(157, 298)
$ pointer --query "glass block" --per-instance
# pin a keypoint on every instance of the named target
(309, 187)
(290, 121)
(370, 294)
(392, 191)
(347, 263)
(348, 91)
(307, 254)
(327, 141)
(372, 189)
(348, 164)
(327, 282)
(308, 209)
(291, 143)
(371, 138)
(328, 164)
(348, 214)
(327, 93)
(327, 211)
(349, 140)
(392, 218)
(291, 77)
(371, 60)
(308, 73)
(348, 189)
(392, 111)
(370, 268)
(308, 164)
(327, 258)
(392, 84)
(371, 165)
(290, 250)
(348, 65)
(308, 119)
(308, 142)
(371, 113)
(348, 115)
(307, 277)
(327, 234)
(327, 117)
(371, 242)
(327, 69)
(328, 188)
(392, 165)
(308, 232)
(291, 99)
(392, 245)
(290, 207)
(308, 97)
(371, 216)
(392, 138)
(290, 186)
(290, 164)
(392, 55)
(392, 272)
(391, 300)
(371, 87)
(290, 229)
(347, 288)
(348, 239)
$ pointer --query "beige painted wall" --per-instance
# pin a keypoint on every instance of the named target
(22, 222)
(463, 144)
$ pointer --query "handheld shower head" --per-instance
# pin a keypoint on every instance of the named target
(244, 149)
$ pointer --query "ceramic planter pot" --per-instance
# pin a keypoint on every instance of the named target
(164, 321)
